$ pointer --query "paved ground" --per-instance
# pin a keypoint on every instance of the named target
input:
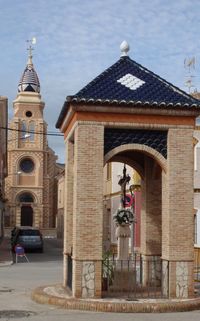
(5, 254)
(17, 282)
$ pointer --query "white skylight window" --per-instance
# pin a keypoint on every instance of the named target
(131, 82)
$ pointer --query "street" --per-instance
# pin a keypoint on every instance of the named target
(18, 280)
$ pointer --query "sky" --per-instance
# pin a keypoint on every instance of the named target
(79, 39)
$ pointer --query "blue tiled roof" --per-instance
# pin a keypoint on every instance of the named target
(153, 89)
(128, 83)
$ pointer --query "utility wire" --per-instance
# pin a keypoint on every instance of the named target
(32, 132)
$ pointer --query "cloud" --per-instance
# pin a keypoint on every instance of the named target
(77, 40)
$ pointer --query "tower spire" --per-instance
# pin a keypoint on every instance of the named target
(29, 80)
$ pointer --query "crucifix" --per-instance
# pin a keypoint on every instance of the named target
(124, 180)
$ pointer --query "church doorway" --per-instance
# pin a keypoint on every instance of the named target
(26, 215)
(26, 199)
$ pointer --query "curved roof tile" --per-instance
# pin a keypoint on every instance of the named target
(127, 82)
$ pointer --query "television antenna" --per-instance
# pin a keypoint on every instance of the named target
(189, 64)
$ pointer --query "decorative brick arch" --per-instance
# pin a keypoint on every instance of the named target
(35, 199)
(25, 155)
(138, 147)
(25, 208)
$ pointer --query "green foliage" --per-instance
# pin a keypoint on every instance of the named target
(108, 272)
(123, 216)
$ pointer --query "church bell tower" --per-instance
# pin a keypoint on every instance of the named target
(31, 163)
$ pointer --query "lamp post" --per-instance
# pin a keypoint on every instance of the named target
(17, 173)
(26, 135)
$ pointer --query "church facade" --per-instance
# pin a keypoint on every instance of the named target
(30, 186)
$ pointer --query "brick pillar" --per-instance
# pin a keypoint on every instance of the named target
(151, 222)
(88, 210)
(151, 209)
(68, 208)
(177, 218)
(37, 213)
(18, 215)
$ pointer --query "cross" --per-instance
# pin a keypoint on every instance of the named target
(124, 180)
(30, 48)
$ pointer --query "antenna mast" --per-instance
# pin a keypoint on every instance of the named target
(189, 64)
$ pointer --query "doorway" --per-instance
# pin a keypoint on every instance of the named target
(26, 215)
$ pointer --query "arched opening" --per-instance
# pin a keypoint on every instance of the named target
(113, 171)
(163, 243)
(145, 239)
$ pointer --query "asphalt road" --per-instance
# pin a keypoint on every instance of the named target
(18, 280)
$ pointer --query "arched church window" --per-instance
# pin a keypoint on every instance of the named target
(26, 198)
(23, 128)
(31, 130)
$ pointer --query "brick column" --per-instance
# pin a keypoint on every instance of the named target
(88, 210)
(177, 218)
(18, 215)
(68, 208)
(151, 223)
(37, 214)
(151, 209)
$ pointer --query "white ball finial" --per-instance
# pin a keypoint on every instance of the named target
(124, 47)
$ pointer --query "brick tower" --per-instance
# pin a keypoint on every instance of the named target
(31, 163)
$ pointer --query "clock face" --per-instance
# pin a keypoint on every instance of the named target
(27, 165)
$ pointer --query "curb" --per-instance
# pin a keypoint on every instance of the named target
(39, 296)
(6, 263)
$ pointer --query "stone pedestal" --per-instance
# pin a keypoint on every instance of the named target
(123, 233)
(124, 272)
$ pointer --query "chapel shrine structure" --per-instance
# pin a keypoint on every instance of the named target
(129, 113)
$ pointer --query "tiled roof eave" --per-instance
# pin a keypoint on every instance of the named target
(145, 107)
(154, 104)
